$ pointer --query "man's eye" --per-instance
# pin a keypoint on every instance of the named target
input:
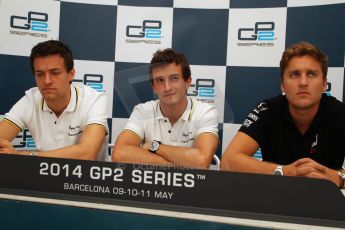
(294, 75)
(174, 78)
(56, 72)
(312, 74)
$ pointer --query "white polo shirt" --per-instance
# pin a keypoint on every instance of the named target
(148, 122)
(86, 107)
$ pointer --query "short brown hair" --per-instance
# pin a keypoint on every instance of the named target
(52, 47)
(301, 49)
(168, 56)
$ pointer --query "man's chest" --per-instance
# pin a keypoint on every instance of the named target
(181, 133)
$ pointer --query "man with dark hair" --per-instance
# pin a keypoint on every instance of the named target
(174, 130)
(301, 133)
(67, 121)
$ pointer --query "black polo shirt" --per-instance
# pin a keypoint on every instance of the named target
(271, 126)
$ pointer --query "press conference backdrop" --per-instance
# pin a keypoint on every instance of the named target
(234, 48)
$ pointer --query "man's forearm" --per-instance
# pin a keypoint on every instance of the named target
(71, 152)
(135, 154)
(185, 156)
(240, 162)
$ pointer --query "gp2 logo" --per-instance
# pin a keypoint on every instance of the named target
(26, 142)
(149, 29)
(36, 21)
(94, 81)
(262, 31)
(203, 88)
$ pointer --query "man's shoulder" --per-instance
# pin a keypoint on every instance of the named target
(275, 101)
(87, 95)
(201, 105)
(32, 91)
(263, 117)
(149, 105)
(333, 106)
(200, 102)
(332, 101)
(33, 94)
(273, 104)
(202, 113)
(146, 108)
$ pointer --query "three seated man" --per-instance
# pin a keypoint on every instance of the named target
(300, 133)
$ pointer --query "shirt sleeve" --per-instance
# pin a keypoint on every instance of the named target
(98, 112)
(136, 122)
(257, 122)
(208, 121)
(21, 112)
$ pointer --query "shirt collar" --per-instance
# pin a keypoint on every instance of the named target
(286, 112)
(322, 111)
(159, 112)
(72, 105)
(186, 114)
(189, 110)
(320, 115)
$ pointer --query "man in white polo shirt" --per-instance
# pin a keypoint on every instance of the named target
(67, 121)
(174, 130)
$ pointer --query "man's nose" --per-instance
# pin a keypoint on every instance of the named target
(47, 78)
(303, 80)
(167, 84)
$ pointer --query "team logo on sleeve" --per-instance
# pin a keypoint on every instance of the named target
(261, 107)
(251, 118)
(247, 123)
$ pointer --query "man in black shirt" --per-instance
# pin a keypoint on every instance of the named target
(301, 133)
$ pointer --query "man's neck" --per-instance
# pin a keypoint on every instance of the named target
(303, 117)
(59, 105)
(173, 113)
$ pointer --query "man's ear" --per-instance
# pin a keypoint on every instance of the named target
(324, 87)
(282, 87)
(189, 82)
(153, 86)
(71, 74)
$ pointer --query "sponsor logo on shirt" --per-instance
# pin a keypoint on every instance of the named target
(74, 130)
(187, 137)
(313, 147)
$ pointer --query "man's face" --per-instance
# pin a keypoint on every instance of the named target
(52, 78)
(169, 85)
(303, 82)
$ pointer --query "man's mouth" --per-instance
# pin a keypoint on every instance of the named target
(48, 89)
(303, 93)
